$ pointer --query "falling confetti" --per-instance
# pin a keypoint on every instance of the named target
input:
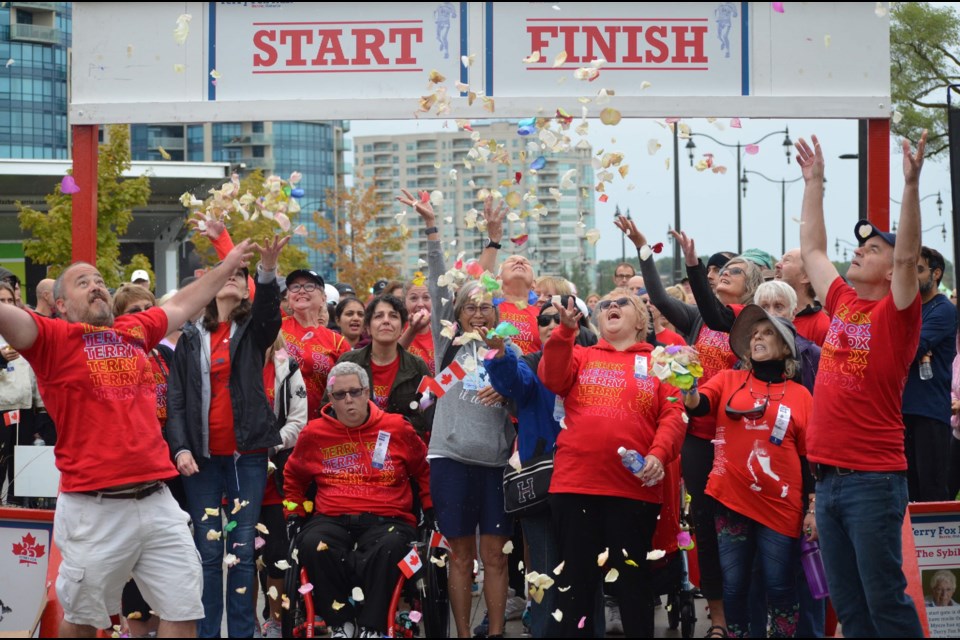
(826, 41)
(604, 198)
(216, 75)
(864, 231)
(179, 68)
(520, 240)
(560, 59)
(645, 85)
(336, 606)
(241, 590)
(305, 588)
(164, 153)
(213, 534)
(612, 575)
(602, 558)
(68, 185)
(466, 61)
(231, 560)
(777, 6)
(751, 149)
(583, 621)
(231, 525)
(357, 594)
(322, 546)
(558, 569)
(9, 63)
(533, 57)
(273, 593)
(653, 145)
(182, 30)
(897, 117)
(656, 554)
(283, 565)
(508, 547)
(735, 123)
(592, 236)
(557, 615)
(880, 10)
(610, 116)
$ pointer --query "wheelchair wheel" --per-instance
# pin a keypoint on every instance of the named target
(688, 614)
(436, 604)
(293, 621)
(673, 610)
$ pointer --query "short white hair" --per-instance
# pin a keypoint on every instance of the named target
(349, 369)
(776, 290)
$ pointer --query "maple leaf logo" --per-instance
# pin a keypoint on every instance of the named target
(445, 379)
(28, 550)
(414, 560)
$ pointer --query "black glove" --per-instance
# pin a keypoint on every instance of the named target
(429, 520)
(294, 524)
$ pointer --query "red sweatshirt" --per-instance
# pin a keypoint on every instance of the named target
(609, 404)
(340, 460)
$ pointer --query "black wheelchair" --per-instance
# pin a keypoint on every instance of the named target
(426, 594)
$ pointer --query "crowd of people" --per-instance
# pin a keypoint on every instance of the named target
(204, 431)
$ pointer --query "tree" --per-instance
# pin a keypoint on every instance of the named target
(52, 241)
(257, 230)
(924, 60)
(359, 244)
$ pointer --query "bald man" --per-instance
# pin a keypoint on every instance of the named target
(45, 304)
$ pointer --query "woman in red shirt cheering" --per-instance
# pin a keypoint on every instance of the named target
(760, 476)
(604, 516)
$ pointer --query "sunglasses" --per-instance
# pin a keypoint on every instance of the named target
(732, 271)
(546, 319)
(139, 309)
(754, 413)
(353, 393)
(309, 287)
(603, 305)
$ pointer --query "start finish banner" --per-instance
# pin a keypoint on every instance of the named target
(230, 61)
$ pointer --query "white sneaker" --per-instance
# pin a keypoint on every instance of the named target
(613, 624)
(515, 607)
(348, 630)
(272, 629)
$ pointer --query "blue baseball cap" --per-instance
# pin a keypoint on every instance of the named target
(864, 230)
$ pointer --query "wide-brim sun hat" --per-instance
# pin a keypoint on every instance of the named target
(742, 330)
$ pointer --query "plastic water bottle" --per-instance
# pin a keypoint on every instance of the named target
(632, 460)
(812, 563)
(926, 371)
(39, 442)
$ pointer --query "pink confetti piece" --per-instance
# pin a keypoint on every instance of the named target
(583, 621)
(735, 123)
(415, 617)
(69, 185)
(752, 149)
(258, 542)
(777, 6)
(491, 354)
(305, 589)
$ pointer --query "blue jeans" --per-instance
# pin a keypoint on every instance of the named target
(859, 518)
(813, 612)
(242, 478)
(743, 541)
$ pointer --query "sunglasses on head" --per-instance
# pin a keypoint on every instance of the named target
(546, 319)
(603, 305)
(732, 271)
(353, 393)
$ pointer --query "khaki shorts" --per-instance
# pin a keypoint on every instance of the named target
(106, 541)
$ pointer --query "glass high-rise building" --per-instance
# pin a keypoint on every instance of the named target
(34, 41)
(315, 149)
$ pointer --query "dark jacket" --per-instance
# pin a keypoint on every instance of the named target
(404, 392)
(255, 424)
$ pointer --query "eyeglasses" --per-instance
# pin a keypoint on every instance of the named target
(353, 393)
(546, 319)
(309, 287)
(623, 276)
(603, 305)
(732, 271)
(471, 309)
(139, 309)
(754, 413)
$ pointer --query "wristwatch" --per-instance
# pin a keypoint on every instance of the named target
(430, 230)
(494, 245)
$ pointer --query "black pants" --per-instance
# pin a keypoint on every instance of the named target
(927, 445)
(276, 544)
(585, 526)
(697, 462)
(335, 571)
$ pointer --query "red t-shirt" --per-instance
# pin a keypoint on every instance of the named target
(752, 475)
(160, 374)
(715, 356)
(609, 404)
(383, 377)
(340, 460)
(863, 368)
(316, 350)
(525, 320)
(813, 326)
(98, 386)
(422, 346)
(666, 336)
(223, 441)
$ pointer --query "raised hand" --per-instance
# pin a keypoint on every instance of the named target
(423, 208)
(239, 256)
(211, 229)
(689, 249)
(629, 228)
(494, 218)
(495, 343)
(420, 321)
(810, 159)
(270, 251)
(913, 163)
(569, 315)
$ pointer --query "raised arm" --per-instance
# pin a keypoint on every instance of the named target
(17, 327)
(813, 231)
(494, 218)
(559, 366)
(680, 314)
(906, 252)
(216, 231)
(190, 300)
(716, 315)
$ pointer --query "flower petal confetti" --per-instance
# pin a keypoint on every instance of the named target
(557, 615)
(559, 568)
(240, 590)
(213, 534)
(336, 606)
(560, 59)
(777, 6)
(735, 123)
(262, 528)
(610, 116)
(533, 57)
(466, 61)
(583, 621)
(68, 185)
(9, 63)
(508, 547)
(880, 10)
(897, 117)
(865, 230)
(751, 149)
(357, 594)
(182, 29)
(592, 236)
(164, 153)
(231, 560)
(273, 593)
(602, 558)
(520, 240)
(656, 554)
(306, 588)
(612, 575)
(283, 565)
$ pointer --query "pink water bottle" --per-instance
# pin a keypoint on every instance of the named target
(812, 563)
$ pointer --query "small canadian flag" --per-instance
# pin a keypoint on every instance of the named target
(410, 563)
(437, 539)
(444, 380)
(11, 418)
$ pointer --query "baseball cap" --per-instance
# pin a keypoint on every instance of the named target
(305, 273)
(864, 230)
(379, 286)
(333, 296)
(719, 259)
(140, 274)
(742, 330)
(345, 289)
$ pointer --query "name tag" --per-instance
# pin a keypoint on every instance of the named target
(780, 426)
(639, 367)
(380, 452)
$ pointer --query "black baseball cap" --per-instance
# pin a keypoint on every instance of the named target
(305, 273)
(379, 286)
(345, 289)
(864, 230)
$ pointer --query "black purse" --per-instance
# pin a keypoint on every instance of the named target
(525, 491)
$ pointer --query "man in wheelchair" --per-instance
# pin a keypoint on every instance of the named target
(362, 461)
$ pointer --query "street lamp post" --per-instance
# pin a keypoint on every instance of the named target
(783, 201)
(788, 149)
(836, 247)
(939, 203)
